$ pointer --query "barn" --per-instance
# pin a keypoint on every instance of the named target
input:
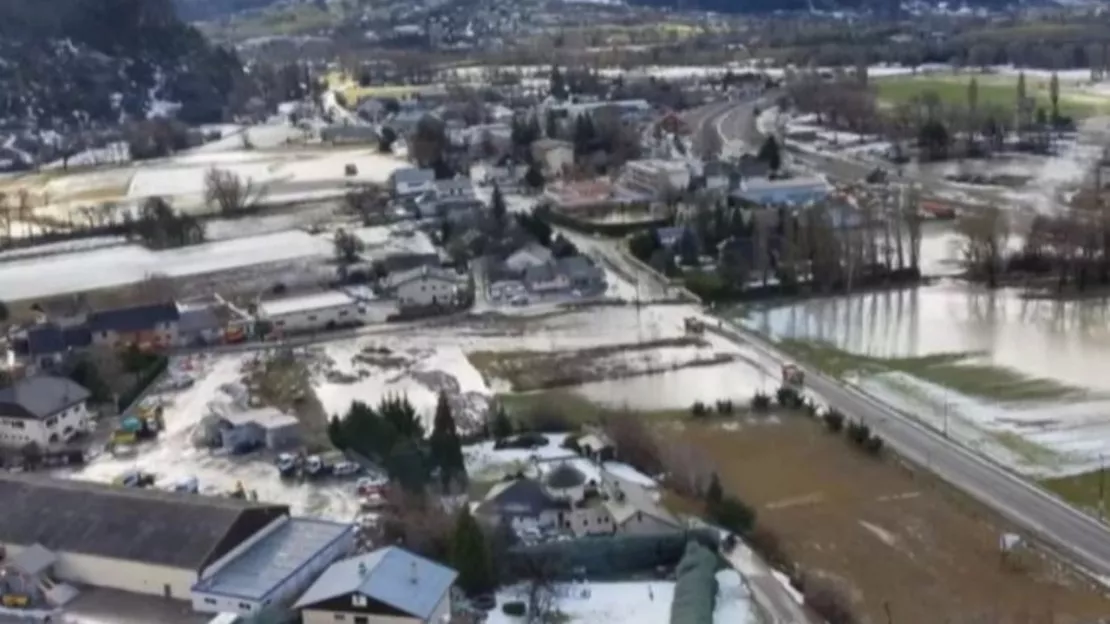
(135, 540)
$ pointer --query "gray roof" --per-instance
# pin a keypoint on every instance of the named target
(256, 572)
(34, 560)
(413, 175)
(564, 476)
(390, 575)
(142, 525)
(36, 398)
(577, 266)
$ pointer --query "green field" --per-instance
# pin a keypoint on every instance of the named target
(1090, 491)
(994, 91)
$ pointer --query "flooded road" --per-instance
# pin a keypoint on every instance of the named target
(1064, 341)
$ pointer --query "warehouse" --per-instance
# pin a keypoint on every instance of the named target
(262, 427)
(134, 540)
(315, 312)
(273, 567)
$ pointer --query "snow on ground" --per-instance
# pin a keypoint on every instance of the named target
(631, 602)
(176, 180)
(174, 458)
(1056, 439)
(483, 461)
(352, 371)
(118, 266)
(111, 154)
(734, 600)
(61, 247)
(627, 473)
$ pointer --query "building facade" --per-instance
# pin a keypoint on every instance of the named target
(42, 410)
(315, 312)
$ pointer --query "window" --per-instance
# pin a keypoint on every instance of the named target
(358, 600)
(280, 323)
(342, 313)
(312, 317)
(210, 601)
(339, 617)
(245, 605)
(362, 619)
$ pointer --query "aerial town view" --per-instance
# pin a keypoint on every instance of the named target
(554, 312)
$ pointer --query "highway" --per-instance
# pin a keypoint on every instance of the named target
(1033, 511)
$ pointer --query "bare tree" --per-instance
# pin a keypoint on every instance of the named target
(229, 192)
(367, 201)
(540, 569)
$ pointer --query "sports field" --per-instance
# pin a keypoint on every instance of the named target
(994, 90)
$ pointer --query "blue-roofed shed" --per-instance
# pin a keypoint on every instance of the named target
(272, 568)
(390, 582)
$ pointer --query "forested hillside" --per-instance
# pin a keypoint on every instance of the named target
(66, 62)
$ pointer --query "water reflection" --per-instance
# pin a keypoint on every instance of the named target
(1065, 341)
(681, 388)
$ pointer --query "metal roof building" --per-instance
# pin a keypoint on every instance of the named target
(272, 568)
(389, 582)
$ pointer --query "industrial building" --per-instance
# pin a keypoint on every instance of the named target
(314, 312)
(387, 585)
(135, 540)
(273, 567)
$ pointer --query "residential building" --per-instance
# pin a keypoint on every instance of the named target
(425, 286)
(634, 509)
(262, 427)
(313, 312)
(555, 157)
(597, 446)
(202, 324)
(42, 410)
(389, 585)
(272, 567)
(788, 191)
(656, 177)
(531, 255)
(523, 503)
(575, 273)
(151, 326)
(411, 181)
(44, 346)
(455, 189)
(144, 541)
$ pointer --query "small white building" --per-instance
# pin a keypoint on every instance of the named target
(42, 410)
(425, 286)
(315, 312)
(555, 156)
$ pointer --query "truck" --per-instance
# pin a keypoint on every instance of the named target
(694, 326)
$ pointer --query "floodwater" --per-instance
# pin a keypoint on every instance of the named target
(1065, 341)
(681, 388)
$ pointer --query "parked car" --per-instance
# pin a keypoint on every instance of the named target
(345, 469)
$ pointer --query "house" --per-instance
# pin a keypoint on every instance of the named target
(531, 255)
(789, 191)
(635, 510)
(455, 189)
(411, 181)
(326, 310)
(523, 503)
(30, 577)
(564, 274)
(387, 585)
(273, 567)
(487, 140)
(201, 325)
(44, 346)
(263, 427)
(597, 446)
(42, 410)
(555, 157)
(149, 326)
(545, 279)
(145, 541)
(425, 286)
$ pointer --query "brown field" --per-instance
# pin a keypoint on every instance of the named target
(898, 540)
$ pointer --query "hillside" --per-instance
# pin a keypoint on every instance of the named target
(199, 10)
(67, 62)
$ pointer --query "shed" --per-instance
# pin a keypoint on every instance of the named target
(265, 426)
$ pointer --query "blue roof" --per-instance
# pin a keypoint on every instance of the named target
(269, 562)
(390, 575)
(49, 338)
(138, 318)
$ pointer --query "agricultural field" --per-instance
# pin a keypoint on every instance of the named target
(901, 544)
(1077, 100)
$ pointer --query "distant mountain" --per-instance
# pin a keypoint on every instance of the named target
(66, 62)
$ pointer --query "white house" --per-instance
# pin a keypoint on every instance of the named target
(315, 312)
(528, 256)
(555, 156)
(424, 286)
(387, 586)
(144, 541)
(655, 176)
(43, 410)
(273, 566)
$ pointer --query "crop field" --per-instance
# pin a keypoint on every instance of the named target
(995, 90)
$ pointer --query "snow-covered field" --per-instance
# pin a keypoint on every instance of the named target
(483, 461)
(174, 458)
(129, 264)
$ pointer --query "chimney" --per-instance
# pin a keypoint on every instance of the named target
(412, 570)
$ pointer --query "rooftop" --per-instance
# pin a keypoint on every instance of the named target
(271, 560)
(142, 525)
(136, 318)
(265, 417)
(39, 397)
(305, 303)
(390, 575)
